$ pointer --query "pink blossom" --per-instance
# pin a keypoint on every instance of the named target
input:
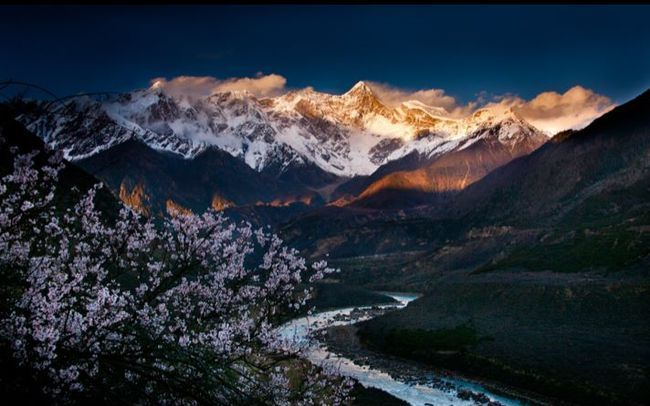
(144, 302)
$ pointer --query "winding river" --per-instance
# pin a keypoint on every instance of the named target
(298, 330)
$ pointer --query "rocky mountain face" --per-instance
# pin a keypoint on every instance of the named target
(307, 143)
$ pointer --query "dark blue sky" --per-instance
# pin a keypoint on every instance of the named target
(463, 49)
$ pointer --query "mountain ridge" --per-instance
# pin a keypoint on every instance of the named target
(347, 135)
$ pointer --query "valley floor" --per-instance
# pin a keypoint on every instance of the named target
(583, 338)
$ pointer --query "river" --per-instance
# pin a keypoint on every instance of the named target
(420, 394)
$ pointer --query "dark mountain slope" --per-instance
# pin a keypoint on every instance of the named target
(587, 194)
(611, 153)
(213, 178)
(358, 184)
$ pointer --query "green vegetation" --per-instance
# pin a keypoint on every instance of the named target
(607, 231)
(451, 349)
(424, 341)
(376, 272)
(614, 249)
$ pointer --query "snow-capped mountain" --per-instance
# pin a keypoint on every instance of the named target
(346, 135)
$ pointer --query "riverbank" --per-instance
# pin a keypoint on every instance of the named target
(422, 388)
(344, 341)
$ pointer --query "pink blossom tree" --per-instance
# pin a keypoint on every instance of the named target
(124, 309)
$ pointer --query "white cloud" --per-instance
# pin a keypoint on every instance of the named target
(202, 86)
(393, 96)
(553, 112)
(261, 85)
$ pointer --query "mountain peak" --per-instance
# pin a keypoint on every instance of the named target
(359, 88)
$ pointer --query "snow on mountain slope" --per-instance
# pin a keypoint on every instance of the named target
(346, 135)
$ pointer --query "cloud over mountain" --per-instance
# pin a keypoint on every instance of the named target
(393, 96)
(553, 112)
(202, 86)
(549, 111)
